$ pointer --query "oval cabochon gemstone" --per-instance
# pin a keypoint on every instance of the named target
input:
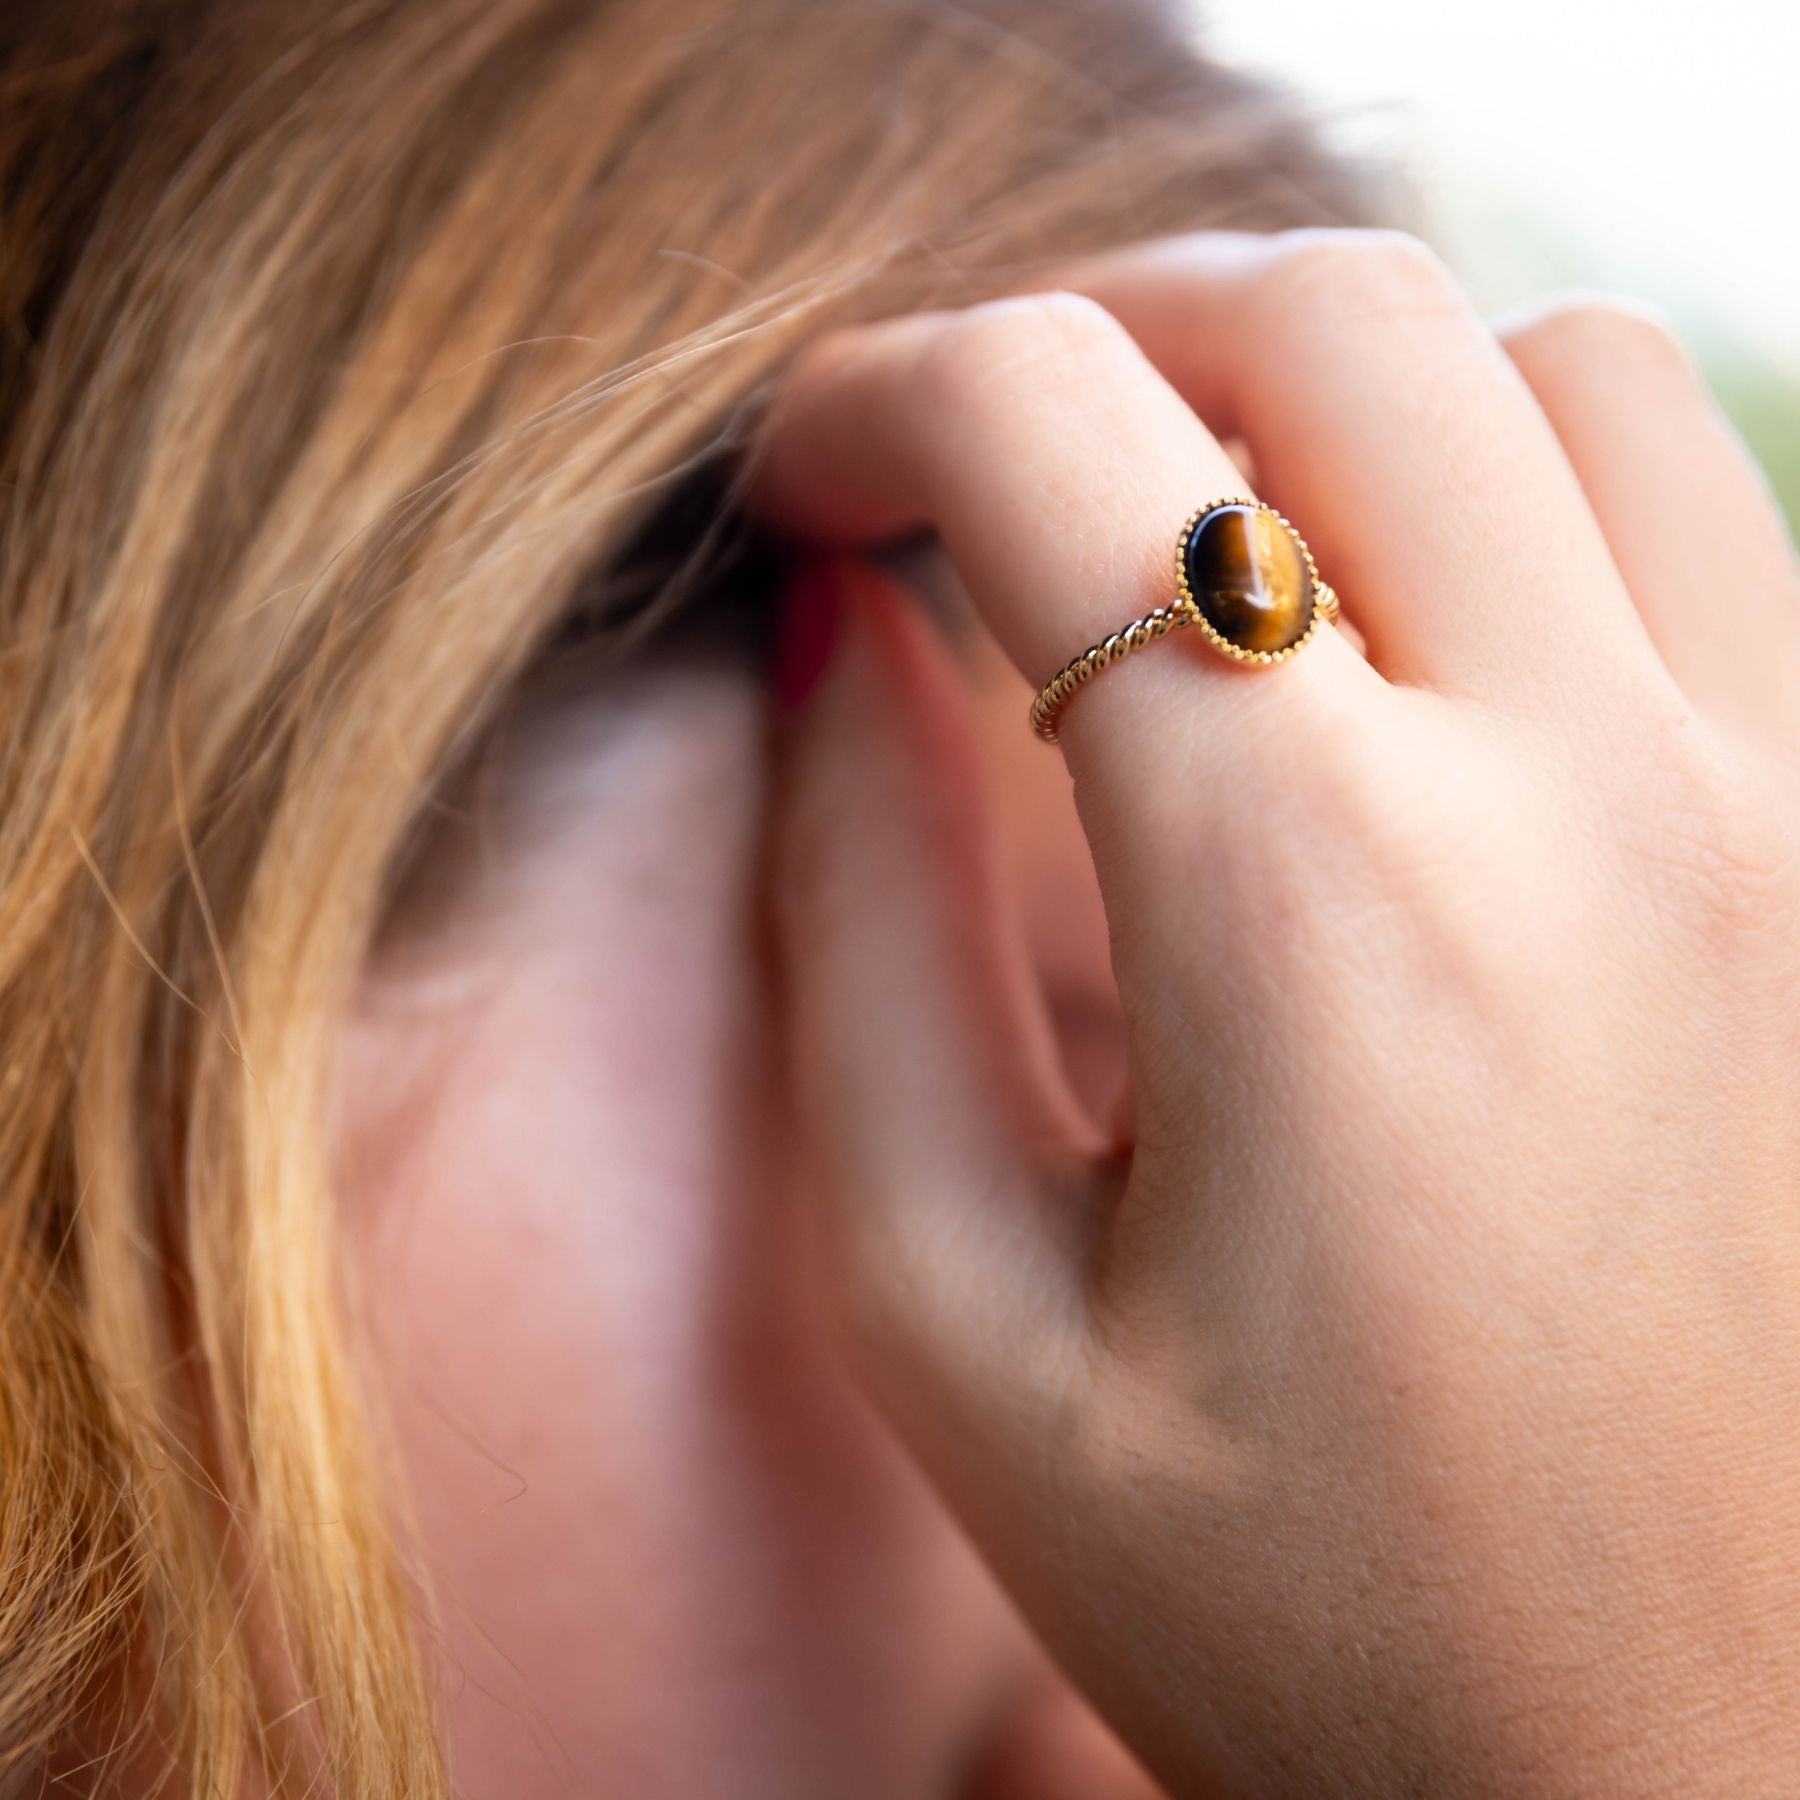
(1249, 578)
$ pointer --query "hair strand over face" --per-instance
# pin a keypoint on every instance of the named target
(341, 343)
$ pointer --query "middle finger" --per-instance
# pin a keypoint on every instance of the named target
(1383, 414)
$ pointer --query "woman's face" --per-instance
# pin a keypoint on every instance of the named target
(676, 1552)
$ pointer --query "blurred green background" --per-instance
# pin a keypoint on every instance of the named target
(1765, 405)
(1553, 145)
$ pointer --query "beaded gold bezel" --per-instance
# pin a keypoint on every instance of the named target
(1180, 613)
(1323, 599)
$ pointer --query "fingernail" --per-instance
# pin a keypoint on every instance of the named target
(811, 614)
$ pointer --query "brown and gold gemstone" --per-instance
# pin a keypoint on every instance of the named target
(1250, 579)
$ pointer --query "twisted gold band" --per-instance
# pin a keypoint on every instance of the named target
(1252, 589)
(1054, 695)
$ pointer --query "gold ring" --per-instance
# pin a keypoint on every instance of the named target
(1244, 578)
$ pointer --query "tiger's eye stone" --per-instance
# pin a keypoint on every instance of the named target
(1249, 579)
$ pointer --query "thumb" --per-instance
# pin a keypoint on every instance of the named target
(959, 1177)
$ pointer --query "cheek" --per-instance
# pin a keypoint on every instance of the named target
(659, 1517)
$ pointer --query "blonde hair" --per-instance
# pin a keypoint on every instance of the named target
(342, 342)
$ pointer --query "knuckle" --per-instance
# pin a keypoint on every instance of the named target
(987, 348)
(1378, 273)
(1351, 808)
(1583, 329)
(1381, 876)
(1720, 853)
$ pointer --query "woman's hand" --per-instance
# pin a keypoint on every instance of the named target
(1417, 1409)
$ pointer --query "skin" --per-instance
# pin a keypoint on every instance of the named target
(679, 1552)
(1411, 1407)
(1415, 1410)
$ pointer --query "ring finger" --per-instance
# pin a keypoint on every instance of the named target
(1057, 465)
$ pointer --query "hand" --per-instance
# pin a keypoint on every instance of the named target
(1417, 1409)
